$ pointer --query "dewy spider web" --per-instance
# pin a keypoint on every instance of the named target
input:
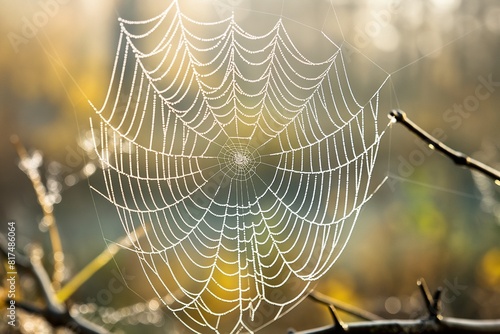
(246, 163)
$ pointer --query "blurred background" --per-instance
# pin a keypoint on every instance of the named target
(430, 219)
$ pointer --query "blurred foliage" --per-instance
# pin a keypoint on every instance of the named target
(431, 220)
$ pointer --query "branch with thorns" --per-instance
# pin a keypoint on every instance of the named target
(435, 322)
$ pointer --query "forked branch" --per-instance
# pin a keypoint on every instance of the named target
(433, 323)
(56, 313)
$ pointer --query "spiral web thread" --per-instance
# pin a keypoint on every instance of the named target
(246, 164)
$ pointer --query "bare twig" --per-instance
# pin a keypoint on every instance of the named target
(432, 303)
(54, 312)
(457, 157)
(420, 326)
(434, 323)
(47, 209)
(341, 306)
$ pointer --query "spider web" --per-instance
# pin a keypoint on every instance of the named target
(245, 162)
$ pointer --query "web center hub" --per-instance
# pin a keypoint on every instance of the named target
(238, 160)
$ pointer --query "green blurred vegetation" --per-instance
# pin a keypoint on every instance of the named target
(429, 220)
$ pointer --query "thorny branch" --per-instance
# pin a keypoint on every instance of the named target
(433, 323)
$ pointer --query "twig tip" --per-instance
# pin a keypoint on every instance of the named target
(397, 115)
